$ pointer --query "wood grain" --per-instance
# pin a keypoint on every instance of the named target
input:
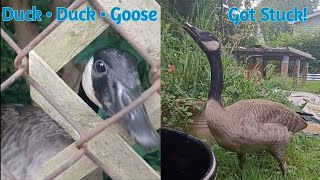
(146, 34)
(116, 155)
(111, 146)
(68, 39)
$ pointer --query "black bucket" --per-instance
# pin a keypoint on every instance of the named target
(185, 157)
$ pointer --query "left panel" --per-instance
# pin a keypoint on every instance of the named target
(99, 60)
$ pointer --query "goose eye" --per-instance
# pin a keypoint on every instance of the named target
(100, 66)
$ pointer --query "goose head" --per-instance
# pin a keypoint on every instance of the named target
(111, 81)
(206, 40)
(211, 47)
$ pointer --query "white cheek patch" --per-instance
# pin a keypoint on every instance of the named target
(87, 83)
(211, 45)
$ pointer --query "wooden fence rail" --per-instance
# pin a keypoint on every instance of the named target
(112, 146)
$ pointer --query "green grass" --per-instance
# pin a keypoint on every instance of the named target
(302, 156)
(311, 86)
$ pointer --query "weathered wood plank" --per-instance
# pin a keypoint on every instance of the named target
(68, 39)
(305, 72)
(145, 33)
(84, 165)
(120, 160)
(296, 72)
(75, 36)
(284, 68)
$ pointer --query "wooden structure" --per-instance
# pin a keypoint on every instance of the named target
(112, 146)
(260, 57)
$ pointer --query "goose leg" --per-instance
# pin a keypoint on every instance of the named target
(242, 160)
(278, 154)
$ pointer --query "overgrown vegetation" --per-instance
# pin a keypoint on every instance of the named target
(186, 73)
(185, 84)
(305, 41)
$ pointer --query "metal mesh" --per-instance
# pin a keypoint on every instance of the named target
(21, 65)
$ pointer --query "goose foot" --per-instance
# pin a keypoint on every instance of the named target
(278, 154)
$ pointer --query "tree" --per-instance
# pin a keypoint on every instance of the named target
(272, 30)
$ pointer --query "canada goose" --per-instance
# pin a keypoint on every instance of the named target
(29, 137)
(248, 125)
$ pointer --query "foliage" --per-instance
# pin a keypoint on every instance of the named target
(272, 30)
(152, 158)
(304, 41)
(17, 92)
(206, 14)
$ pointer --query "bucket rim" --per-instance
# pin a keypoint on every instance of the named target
(210, 174)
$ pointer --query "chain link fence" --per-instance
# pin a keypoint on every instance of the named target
(21, 65)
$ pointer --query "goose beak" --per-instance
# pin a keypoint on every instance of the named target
(192, 31)
(137, 122)
(112, 92)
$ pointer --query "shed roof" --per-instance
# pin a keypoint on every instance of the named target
(273, 53)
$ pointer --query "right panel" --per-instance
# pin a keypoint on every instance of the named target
(240, 89)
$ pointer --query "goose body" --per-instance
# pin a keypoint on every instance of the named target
(248, 125)
(30, 137)
(252, 125)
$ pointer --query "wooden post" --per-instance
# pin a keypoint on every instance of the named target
(296, 72)
(264, 64)
(236, 57)
(284, 68)
(251, 68)
(305, 72)
(260, 66)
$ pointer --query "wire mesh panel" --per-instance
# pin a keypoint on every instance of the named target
(94, 147)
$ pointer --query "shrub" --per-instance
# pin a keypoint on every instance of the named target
(304, 41)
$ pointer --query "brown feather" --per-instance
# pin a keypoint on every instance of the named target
(265, 111)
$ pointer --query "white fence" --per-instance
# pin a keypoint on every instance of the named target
(312, 77)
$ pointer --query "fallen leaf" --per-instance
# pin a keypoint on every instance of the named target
(171, 68)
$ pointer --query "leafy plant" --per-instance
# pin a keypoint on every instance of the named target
(308, 41)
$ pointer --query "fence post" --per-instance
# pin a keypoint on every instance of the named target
(305, 72)
(296, 72)
(284, 68)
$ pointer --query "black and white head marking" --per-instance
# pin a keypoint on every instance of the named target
(111, 81)
(87, 83)
(206, 40)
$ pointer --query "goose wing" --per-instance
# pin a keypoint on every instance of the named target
(29, 137)
(264, 111)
